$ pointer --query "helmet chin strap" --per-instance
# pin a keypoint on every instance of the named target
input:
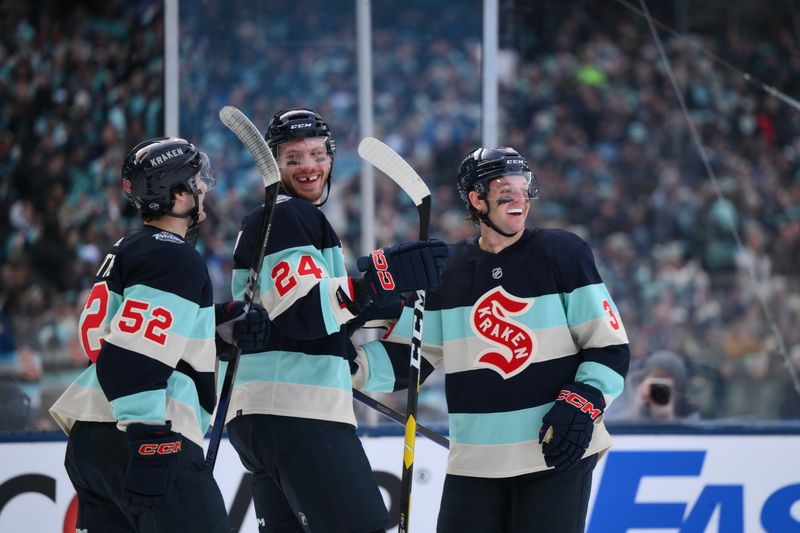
(484, 217)
(193, 212)
(327, 193)
(330, 178)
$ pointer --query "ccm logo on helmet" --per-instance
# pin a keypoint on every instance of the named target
(165, 448)
(301, 125)
(515, 161)
(166, 156)
(579, 402)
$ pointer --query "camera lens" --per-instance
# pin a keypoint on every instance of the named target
(660, 393)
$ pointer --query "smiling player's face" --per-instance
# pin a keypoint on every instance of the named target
(509, 202)
(305, 167)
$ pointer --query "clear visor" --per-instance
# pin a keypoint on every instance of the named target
(204, 180)
(301, 153)
(517, 186)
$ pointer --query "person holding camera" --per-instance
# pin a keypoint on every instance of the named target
(656, 392)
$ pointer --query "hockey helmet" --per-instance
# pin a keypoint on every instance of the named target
(485, 164)
(152, 168)
(298, 123)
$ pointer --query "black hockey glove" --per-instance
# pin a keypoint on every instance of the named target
(250, 328)
(151, 469)
(567, 427)
(407, 266)
(391, 309)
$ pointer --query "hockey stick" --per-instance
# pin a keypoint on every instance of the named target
(400, 418)
(395, 167)
(241, 126)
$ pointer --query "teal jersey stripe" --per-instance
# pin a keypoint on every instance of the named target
(147, 406)
(334, 257)
(601, 377)
(547, 312)
(448, 325)
(181, 388)
(292, 367)
(586, 304)
(381, 376)
(88, 378)
(238, 282)
(497, 428)
(402, 329)
(326, 306)
(184, 312)
(325, 259)
(329, 260)
(205, 325)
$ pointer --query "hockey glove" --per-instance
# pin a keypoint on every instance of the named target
(250, 328)
(384, 312)
(151, 469)
(567, 427)
(407, 266)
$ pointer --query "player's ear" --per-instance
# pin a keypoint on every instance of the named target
(476, 201)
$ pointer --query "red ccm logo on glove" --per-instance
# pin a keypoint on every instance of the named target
(165, 448)
(381, 267)
(579, 402)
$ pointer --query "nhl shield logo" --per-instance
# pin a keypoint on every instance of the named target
(497, 273)
(513, 345)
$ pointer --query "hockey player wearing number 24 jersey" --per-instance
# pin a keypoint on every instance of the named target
(533, 349)
(291, 414)
(137, 415)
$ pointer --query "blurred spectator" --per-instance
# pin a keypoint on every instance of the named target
(16, 407)
(656, 392)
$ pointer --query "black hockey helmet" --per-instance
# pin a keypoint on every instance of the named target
(297, 123)
(153, 167)
(485, 164)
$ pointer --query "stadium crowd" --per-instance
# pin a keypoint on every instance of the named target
(701, 260)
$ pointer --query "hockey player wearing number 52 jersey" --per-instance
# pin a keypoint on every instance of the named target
(533, 350)
(291, 414)
(137, 415)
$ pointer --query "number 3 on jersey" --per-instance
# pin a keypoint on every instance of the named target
(285, 279)
(613, 318)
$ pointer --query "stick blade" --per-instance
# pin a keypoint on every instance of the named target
(385, 159)
(243, 128)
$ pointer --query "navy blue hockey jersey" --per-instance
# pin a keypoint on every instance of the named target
(509, 330)
(148, 330)
(304, 372)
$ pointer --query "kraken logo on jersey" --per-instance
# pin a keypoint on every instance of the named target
(490, 321)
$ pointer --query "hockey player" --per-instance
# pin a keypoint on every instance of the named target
(291, 417)
(137, 415)
(533, 349)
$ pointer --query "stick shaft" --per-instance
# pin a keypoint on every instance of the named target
(241, 126)
(400, 418)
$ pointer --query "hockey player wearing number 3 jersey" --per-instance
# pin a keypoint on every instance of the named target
(291, 414)
(533, 350)
(137, 415)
